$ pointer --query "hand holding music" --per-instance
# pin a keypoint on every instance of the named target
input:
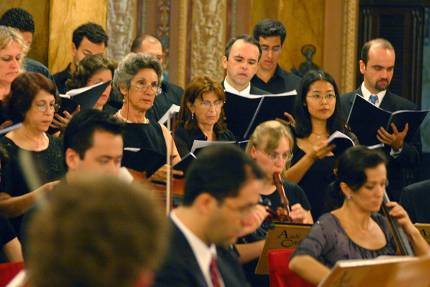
(61, 122)
(395, 139)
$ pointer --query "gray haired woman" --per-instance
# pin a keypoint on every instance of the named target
(138, 78)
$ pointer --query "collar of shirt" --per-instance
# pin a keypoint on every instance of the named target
(201, 251)
(366, 94)
(230, 89)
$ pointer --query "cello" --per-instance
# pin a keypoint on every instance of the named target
(400, 236)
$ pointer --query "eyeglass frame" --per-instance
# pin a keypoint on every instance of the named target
(320, 98)
(218, 104)
(43, 107)
(275, 49)
(139, 86)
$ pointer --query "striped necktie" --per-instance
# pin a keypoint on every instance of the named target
(373, 99)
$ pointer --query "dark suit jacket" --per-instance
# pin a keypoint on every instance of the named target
(402, 169)
(181, 269)
(415, 199)
(170, 94)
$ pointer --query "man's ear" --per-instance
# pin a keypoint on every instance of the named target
(362, 66)
(204, 203)
(72, 159)
(224, 61)
(74, 50)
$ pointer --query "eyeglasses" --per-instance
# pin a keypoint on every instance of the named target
(275, 49)
(286, 156)
(43, 107)
(317, 97)
(208, 104)
(242, 210)
(143, 86)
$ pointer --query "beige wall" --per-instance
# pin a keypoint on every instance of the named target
(40, 12)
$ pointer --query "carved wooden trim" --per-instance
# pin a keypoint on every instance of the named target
(349, 45)
(208, 38)
(120, 27)
(182, 42)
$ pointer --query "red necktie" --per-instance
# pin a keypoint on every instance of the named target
(214, 272)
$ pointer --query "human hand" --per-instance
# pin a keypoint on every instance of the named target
(290, 119)
(395, 139)
(298, 214)
(61, 122)
(402, 217)
(5, 124)
(254, 220)
(321, 150)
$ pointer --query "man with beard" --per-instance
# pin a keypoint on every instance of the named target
(377, 66)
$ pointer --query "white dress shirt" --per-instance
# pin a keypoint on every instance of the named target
(202, 252)
(366, 94)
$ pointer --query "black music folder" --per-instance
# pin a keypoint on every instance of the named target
(341, 142)
(85, 97)
(365, 119)
(142, 160)
(244, 113)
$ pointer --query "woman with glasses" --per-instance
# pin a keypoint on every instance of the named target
(201, 116)
(317, 115)
(138, 79)
(270, 146)
(12, 51)
(31, 102)
(355, 230)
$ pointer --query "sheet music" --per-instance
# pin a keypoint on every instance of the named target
(172, 110)
(201, 144)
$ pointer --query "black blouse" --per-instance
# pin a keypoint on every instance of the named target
(184, 138)
(49, 164)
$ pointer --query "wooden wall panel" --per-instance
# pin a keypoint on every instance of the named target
(40, 12)
(65, 16)
(304, 21)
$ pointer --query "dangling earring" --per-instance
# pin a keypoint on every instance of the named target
(192, 116)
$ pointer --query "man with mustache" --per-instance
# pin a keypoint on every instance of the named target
(377, 67)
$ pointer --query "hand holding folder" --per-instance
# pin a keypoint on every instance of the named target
(365, 119)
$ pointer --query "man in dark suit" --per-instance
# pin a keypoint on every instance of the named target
(170, 94)
(377, 66)
(270, 77)
(240, 62)
(415, 199)
(221, 195)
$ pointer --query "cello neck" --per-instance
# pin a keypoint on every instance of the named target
(400, 236)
